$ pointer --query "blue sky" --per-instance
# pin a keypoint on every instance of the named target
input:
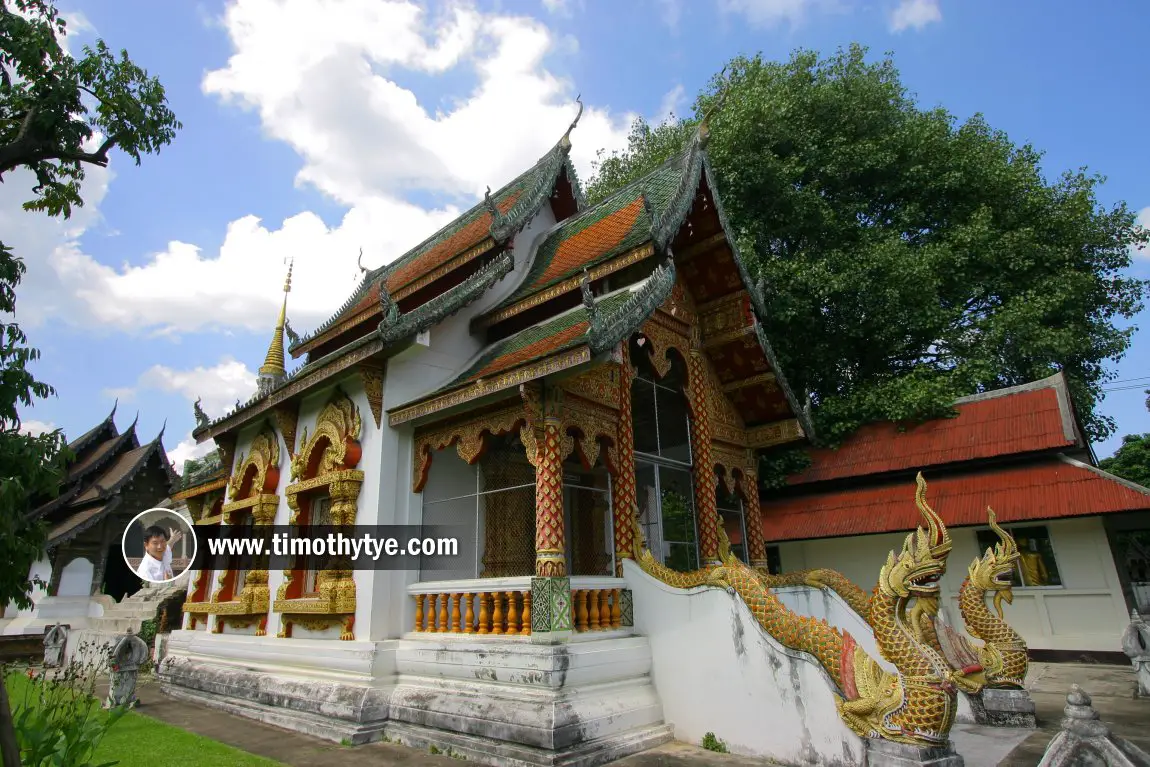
(314, 129)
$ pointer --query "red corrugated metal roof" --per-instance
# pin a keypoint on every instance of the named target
(1055, 488)
(1017, 422)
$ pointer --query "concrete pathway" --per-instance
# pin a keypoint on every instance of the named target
(1111, 687)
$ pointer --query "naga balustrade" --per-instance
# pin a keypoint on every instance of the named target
(502, 606)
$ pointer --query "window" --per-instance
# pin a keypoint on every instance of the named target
(1036, 565)
(664, 485)
(319, 515)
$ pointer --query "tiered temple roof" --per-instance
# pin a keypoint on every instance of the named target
(590, 281)
(109, 472)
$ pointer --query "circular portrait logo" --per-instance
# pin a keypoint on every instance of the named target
(159, 545)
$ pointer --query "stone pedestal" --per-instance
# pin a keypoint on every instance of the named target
(1008, 708)
(885, 753)
(1086, 740)
(514, 702)
(1136, 645)
(334, 690)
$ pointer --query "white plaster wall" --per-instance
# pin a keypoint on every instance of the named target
(449, 500)
(1086, 613)
(43, 570)
(716, 670)
(76, 578)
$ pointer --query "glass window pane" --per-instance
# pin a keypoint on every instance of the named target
(677, 503)
(448, 476)
(460, 515)
(507, 533)
(674, 429)
(589, 539)
(1036, 564)
(647, 496)
(681, 556)
(644, 421)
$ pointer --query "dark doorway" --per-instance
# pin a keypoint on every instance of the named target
(119, 580)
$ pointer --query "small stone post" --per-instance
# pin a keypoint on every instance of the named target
(54, 643)
(1136, 645)
(1085, 739)
(124, 663)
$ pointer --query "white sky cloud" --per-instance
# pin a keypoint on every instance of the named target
(364, 142)
(767, 13)
(36, 428)
(914, 14)
(187, 449)
(218, 386)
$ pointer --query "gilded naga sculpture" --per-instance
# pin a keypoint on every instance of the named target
(1003, 653)
(914, 705)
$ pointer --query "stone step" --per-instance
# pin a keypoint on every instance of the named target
(116, 625)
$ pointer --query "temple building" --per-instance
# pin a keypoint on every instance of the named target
(1021, 450)
(110, 479)
(547, 377)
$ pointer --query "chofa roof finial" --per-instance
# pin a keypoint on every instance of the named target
(704, 132)
(565, 142)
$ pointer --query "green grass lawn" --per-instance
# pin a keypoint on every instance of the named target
(138, 741)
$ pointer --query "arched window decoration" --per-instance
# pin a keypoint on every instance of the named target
(738, 503)
(319, 593)
(242, 597)
(206, 510)
(663, 456)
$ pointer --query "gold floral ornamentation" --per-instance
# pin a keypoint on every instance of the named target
(593, 422)
(318, 623)
(731, 314)
(261, 467)
(338, 429)
(226, 448)
(468, 435)
(287, 419)
(600, 385)
(662, 339)
(372, 378)
(511, 378)
(776, 433)
(732, 463)
(327, 459)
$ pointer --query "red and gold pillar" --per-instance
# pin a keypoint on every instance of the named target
(551, 587)
(753, 520)
(626, 506)
(706, 481)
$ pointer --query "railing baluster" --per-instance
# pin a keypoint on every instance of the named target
(526, 613)
(616, 608)
(455, 617)
(469, 616)
(418, 612)
(497, 615)
(512, 614)
(483, 597)
(593, 611)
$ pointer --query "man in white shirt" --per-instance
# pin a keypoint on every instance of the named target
(156, 566)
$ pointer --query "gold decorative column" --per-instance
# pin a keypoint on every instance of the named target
(625, 509)
(550, 559)
(753, 520)
(550, 588)
(706, 481)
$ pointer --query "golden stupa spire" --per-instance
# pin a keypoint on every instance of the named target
(273, 366)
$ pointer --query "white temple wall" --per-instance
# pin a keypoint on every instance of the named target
(716, 670)
(76, 578)
(1086, 613)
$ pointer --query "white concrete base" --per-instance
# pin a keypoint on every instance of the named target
(76, 612)
(718, 671)
(505, 702)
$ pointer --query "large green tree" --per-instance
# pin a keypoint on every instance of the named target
(58, 114)
(1132, 460)
(908, 259)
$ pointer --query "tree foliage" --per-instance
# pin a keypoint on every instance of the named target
(53, 108)
(1132, 460)
(908, 259)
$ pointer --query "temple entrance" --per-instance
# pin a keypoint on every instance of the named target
(119, 580)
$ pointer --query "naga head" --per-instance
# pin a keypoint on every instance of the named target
(917, 570)
(994, 569)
